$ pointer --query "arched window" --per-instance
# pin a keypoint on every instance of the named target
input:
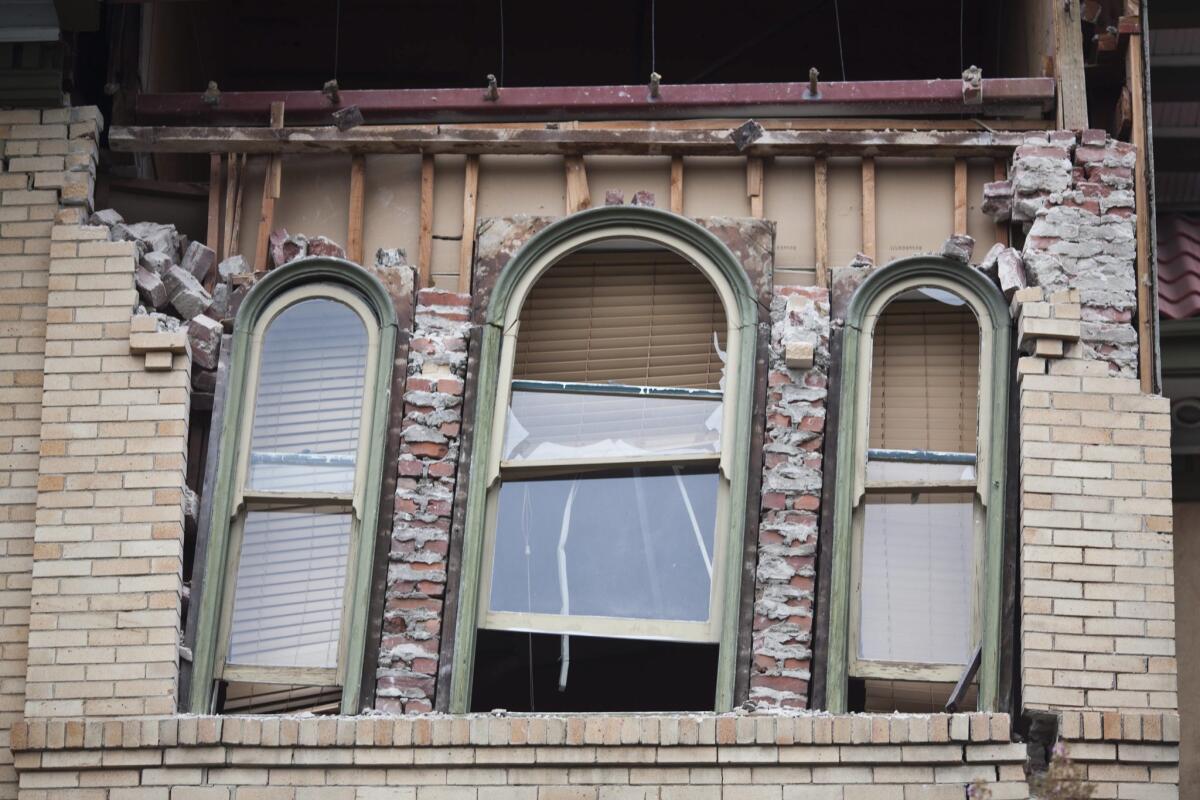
(287, 570)
(918, 510)
(607, 492)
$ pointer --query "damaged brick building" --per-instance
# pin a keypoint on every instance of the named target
(496, 418)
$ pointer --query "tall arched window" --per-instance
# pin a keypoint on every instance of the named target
(288, 562)
(918, 510)
(608, 487)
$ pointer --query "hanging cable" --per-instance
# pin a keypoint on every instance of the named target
(837, 19)
(337, 37)
(962, 63)
(501, 42)
(653, 37)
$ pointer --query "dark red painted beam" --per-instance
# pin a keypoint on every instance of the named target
(1001, 97)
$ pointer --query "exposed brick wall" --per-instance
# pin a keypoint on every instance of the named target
(791, 493)
(39, 158)
(428, 462)
(107, 546)
(1096, 554)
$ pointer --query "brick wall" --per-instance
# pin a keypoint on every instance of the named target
(104, 621)
(428, 463)
(40, 159)
(791, 493)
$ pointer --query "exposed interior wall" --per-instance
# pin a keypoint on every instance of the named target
(914, 201)
(1187, 643)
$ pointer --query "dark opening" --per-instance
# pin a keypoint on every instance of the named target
(604, 675)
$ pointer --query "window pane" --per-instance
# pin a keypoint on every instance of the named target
(557, 425)
(628, 543)
(287, 605)
(918, 471)
(917, 575)
(310, 393)
(925, 374)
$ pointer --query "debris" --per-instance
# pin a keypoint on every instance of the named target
(234, 265)
(959, 247)
(746, 134)
(219, 309)
(493, 90)
(861, 261)
(1010, 271)
(644, 199)
(156, 262)
(186, 294)
(614, 197)
(107, 217)
(285, 248)
(798, 355)
(814, 89)
(390, 257)
(989, 266)
(346, 118)
(655, 84)
(212, 94)
(199, 260)
(322, 246)
(998, 200)
(972, 86)
(150, 287)
(204, 333)
(330, 90)
(151, 236)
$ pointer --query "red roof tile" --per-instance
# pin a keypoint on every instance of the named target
(1178, 266)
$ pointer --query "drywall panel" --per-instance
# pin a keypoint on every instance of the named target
(844, 210)
(391, 205)
(714, 187)
(979, 225)
(511, 185)
(914, 206)
(1187, 639)
(449, 176)
(788, 199)
(315, 196)
(629, 175)
(252, 189)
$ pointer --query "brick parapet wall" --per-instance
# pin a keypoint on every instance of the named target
(39, 158)
(108, 539)
(428, 463)
(791, 491)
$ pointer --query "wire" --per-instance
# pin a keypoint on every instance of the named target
(653, 37)
(337, 37)
(962, 64)
(501, 42)
(837, 19)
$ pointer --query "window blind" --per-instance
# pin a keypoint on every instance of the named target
(645, 318)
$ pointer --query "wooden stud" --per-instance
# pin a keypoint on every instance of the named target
(1068, 65)
(466, 253)
(214, 202)
(677, 184)
(868, 207)
(1141, 199)
(960, 196)
(578, 196)
(354, 228)
(237, 203)
(820, 206)
(425, 236)
(231, 190)
(1000, 173)
(754, 186)
(271, 188)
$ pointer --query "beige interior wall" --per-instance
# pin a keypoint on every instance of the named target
(914, 201)
(1187, 644)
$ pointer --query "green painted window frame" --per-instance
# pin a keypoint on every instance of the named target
(658, 228)
(883, 285)
(309, 274)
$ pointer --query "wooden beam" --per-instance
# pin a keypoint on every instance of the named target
(1069, 64)
(868, 207)
(272, 180)
(358, 190)
(677, 184)
(1141, 200)
(578, 196)
(754, 186)
(430, 140)
(821, 213)
(425, 236)
(960, 196)
(231, 189)
(213, 237)
(466, 252)
(237, 203)
(1000, 173)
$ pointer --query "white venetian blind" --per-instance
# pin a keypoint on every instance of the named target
(646, 318)
(925, 377)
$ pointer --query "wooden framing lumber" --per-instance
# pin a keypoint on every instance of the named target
(213, 235)
(677, 184)
(868, 207)
(960, 196)
(232, 174)
(1069, 65)
(466, 253)
(821, 212)
(578, 196)
(436, 140)
(1000, 173)
(754, 186)
(272, 180)
(354, 225)
(1141, 198)
(425, 235)
(235, 247)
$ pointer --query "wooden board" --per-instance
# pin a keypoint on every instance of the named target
(354, 227)
(1069, 65)
(1000, 173)
(868, 208)
(271, 189)
(677, 185)
(233, 161)
(754, 186)
(578, 196)
(425, 234)
(213, 236)
(1141, 199)
(821, 218)
(466, 253)
(960, 196)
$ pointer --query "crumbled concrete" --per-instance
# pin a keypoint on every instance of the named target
(959, 247)
(204, 333)
(322, 246)
(150, 288)
(107, 217)
(234, 265)
(199, 260)
(989, 266)
(186, 294)
(156, 262)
